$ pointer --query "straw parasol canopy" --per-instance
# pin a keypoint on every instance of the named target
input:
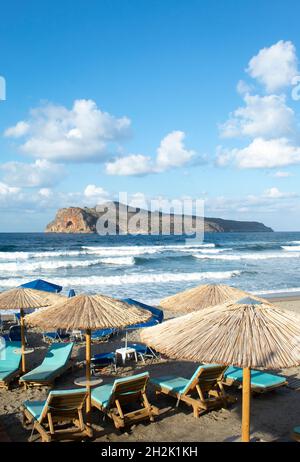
(202, 297)
(23, 299)
(88, 312)
(247, 334)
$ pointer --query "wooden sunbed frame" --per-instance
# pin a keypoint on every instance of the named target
(208, 381)
(48, 383)
(64, 409)
(136, 387)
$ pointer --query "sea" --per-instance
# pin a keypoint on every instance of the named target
(148, 268)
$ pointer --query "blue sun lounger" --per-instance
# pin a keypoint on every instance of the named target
(61, 406)
(56, 361)
(203, 391)
(110, 399)
(102, 334)
(9, 363)
(261, 382)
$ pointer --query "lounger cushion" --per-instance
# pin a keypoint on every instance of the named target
(296, 430)
(55, 361)
(172, 383)
(101, 395)
(35, 408)
(258, 378)
(9, 360)
(179, 384)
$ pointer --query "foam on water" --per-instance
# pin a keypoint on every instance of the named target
(145, 278)
(245, 256)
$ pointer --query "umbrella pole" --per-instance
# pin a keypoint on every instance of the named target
(22, 341)
(88, 375)
(246, 405)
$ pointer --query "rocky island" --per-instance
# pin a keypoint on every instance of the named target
(129, 220)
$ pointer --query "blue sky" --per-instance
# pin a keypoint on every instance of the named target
(173, 99)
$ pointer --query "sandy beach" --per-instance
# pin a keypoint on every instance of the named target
(273, 415)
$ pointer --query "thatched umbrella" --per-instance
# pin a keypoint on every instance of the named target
(23, 299)
(247, 334)
(88, 312)
(201, 297)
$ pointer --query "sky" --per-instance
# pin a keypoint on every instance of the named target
(170, 99)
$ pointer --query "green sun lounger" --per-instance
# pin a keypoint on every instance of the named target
(261, 382)
(61, 406)
(111, 399)
(56, 361)
(203, 391)
(9, 363)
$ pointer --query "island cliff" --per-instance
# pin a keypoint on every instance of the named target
(84, 220)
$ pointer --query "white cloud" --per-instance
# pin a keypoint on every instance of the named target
(95, 194)
(281, 174)
(41, 173)
(276, 66)
(81, 134)
(20, 129)
(243, 87)
(170, 154)
(266, 116)
(275, 193)
(261, 153)
(134, 164)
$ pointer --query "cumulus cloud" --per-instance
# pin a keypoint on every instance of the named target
(95, 194)
(266, 116)
(275, 67)
(275, 193)
(81, 134)
(170, 154)
(261, 153)
(41, 173)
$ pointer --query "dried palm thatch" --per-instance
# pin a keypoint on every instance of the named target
(22, 298)
(248, 334)
(88, 312)
(202, 297)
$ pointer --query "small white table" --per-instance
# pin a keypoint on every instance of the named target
(82, 381)
(126, 352)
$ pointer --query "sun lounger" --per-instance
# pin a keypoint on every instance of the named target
(10, 363)
(143, 351)
(101, 360)
(261, 382)
(61, 406)
(203, 391)
(111, 399)
(56, 336)
(102, 334)
(56, 361)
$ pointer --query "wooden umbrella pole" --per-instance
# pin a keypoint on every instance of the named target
(22, 341)
(246, 405)
(88, 374)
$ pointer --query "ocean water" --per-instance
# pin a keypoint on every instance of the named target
(149, 268)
